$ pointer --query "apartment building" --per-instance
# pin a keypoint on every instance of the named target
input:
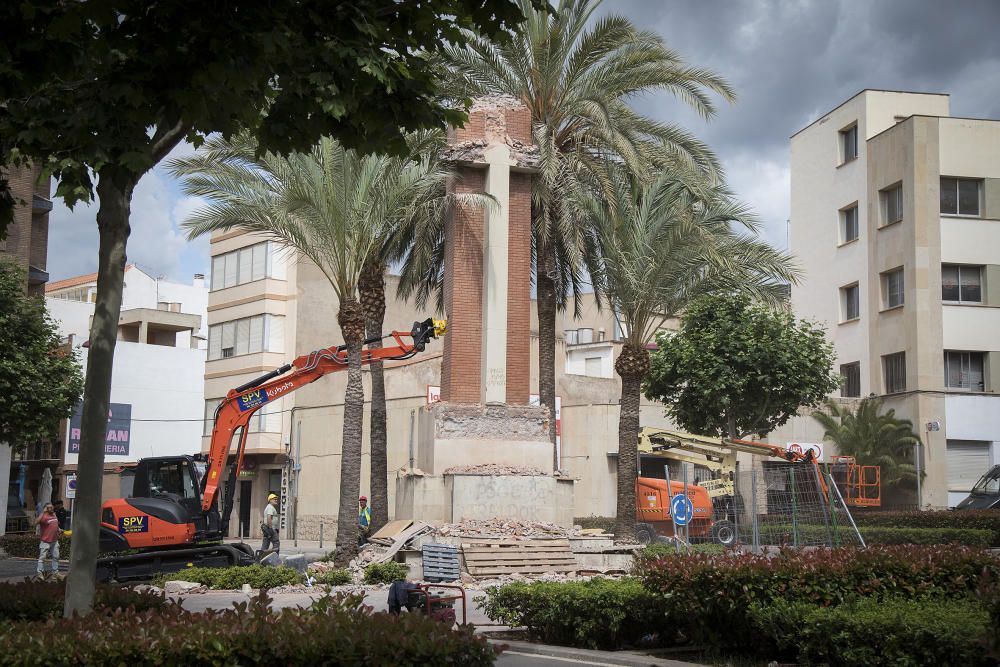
(27, 241)
(895, 218)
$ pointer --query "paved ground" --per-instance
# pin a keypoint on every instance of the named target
(18, 568)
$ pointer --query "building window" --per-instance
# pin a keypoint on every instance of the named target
(243, 266)
(892, 289)
(962, 284)
(249, 335)
(850, 385)
(850, 305)
(894, 368)
(960, 196)
(849, 224)
(892, 205)
(963, 370)
(849, 144)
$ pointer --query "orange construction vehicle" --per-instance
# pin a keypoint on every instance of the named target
(172, 516)
(713, 501)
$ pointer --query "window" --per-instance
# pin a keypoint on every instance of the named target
(892, 289)
(849, 224)
(894, 368)
(849, 144)
(850, 308)
(960, 196)
(593, 367)
(850, 385)
(892, 205)
(250, 335)
(966, 461)
(243, 266)
(962, 283)
(963, 370)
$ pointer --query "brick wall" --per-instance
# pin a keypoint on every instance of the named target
(463, 296)
(519, 290)
(28, 235)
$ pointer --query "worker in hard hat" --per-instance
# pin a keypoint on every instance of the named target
(364, 520)
(270, 524)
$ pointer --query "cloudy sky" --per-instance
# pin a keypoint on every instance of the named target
(790, 62)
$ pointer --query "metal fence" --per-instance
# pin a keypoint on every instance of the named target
(781, 504)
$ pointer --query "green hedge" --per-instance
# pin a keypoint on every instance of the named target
(26, 546)
(332, 577)
(964, 519)
(385, 573)
(228, 578)
(331, 632)
(605, 523)
(599, 613)
(816, 534)
(875, 632)
(39, 600)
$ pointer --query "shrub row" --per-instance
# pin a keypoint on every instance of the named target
(818, 534)
(605, 523)
(257, 576)
(332, 577)
(706, 597)
(598, 613)
(385, 573)
(331, 632)
(874, 632)
(967, 519)
(39, 600)
(26, 546)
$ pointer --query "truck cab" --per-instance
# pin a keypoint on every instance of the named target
(985, 494)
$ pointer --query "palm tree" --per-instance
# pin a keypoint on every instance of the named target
(330, 205)
(873, 438)
(664, 244)
(577, 81)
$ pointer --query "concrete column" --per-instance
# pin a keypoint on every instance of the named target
(493, 385)
(4, 482)
(143, 331)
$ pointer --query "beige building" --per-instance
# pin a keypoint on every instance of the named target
(895, 218)
(266, 307)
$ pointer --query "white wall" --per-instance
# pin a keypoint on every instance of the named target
(72, 317)
(165, 387)
(973, 418)
(576, 359)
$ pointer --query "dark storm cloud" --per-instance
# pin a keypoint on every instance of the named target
(791, 62)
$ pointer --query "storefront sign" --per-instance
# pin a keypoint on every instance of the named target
(119, 429)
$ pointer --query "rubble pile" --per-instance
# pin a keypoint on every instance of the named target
(494, 470)
(507, 528)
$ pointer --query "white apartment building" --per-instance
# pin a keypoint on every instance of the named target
(157, 385)
(895, 219)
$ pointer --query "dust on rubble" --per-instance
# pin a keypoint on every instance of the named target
(495, 470)
(506, 528)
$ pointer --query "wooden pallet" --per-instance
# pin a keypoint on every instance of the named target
(440, 562)
(491, 559)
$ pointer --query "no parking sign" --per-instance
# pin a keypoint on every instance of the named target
(70, 486)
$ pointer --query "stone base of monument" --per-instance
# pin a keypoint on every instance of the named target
(483, 462)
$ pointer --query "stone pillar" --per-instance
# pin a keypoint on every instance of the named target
(488, 258)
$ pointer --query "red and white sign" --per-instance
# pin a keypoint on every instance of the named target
(803, 447)
(433, 394)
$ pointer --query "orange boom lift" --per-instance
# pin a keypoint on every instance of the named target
(172, 516)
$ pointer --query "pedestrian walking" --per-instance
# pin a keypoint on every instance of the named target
(270, 525)
(48, 547)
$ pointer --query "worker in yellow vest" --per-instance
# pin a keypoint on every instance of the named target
(364, 520)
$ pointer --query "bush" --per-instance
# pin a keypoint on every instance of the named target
(869, 631)
(965, 519)
(385, 573)
(39, 600)
(706, 597)
(658, 549)
(330, 632)
(817, 534)
(332, 577)
(227, 578)
(26, 546)
(599, 613)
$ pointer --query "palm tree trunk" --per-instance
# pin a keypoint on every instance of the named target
(115, 191)
(547, 304)
(352, 324)
(372, 291)
(632, 365)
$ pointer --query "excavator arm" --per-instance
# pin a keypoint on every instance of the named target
(235, 411)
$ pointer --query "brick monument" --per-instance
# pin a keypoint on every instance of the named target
(484, 419)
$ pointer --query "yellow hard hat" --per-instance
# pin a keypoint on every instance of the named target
(271, 497)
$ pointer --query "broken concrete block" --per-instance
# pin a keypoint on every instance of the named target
(180, 586)
(271, 560)
(295, 561)
(247, 590)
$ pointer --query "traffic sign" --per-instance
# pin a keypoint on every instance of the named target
(70, 486)
(681, 509)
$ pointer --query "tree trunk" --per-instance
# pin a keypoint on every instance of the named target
(372, 291)
(352, 324)
(115, 191)
(632, 365)
(547, 304)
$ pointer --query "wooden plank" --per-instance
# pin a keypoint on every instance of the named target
(554, 547)
(534, 570)
(500, 553)
(391, 529)
(516, 558)
(525, 563)
(522, 544)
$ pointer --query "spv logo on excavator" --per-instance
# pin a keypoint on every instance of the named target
(252, 399)
(133, 524)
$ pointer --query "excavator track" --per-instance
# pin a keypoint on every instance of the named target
(147, 564)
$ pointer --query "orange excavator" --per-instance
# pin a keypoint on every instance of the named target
(172, 520)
